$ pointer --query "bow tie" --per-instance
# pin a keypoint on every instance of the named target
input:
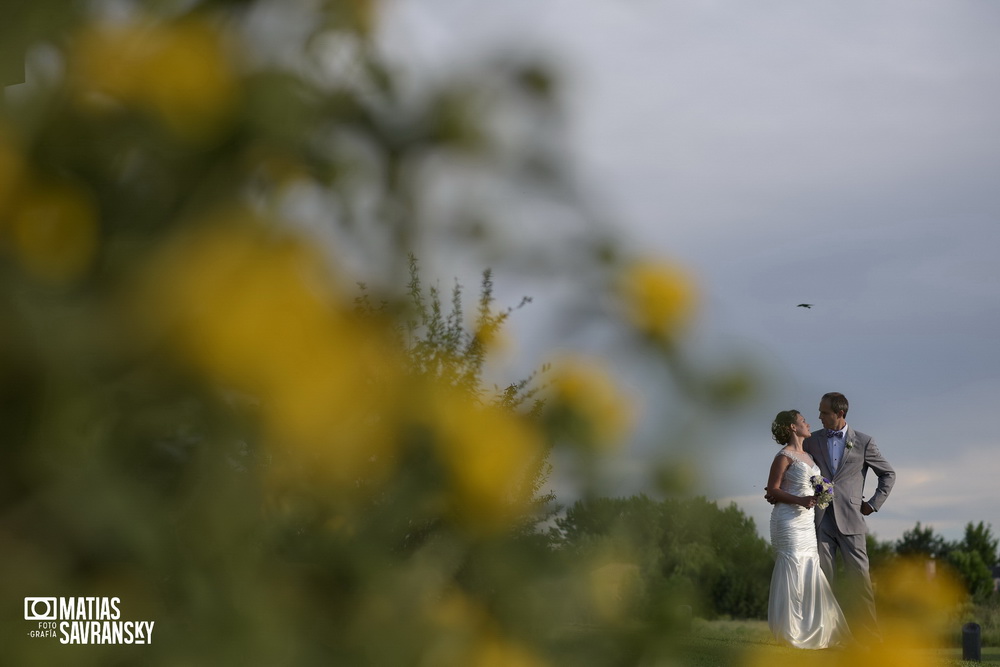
(830, 433)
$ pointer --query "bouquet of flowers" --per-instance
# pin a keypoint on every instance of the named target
(824, 490)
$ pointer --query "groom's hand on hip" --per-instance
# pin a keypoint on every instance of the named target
(867, 509)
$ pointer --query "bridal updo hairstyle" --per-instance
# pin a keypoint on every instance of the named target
(781, 427)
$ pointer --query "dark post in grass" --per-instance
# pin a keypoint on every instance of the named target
(972, 642)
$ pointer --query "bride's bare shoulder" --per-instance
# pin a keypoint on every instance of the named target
(795, 455)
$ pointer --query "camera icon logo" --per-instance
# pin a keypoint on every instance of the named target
(40, 609)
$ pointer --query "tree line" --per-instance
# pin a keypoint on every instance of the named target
(714, 558)
(972, 558)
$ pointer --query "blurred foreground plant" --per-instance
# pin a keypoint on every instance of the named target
(200, 415)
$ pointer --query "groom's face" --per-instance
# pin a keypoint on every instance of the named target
(829, 418)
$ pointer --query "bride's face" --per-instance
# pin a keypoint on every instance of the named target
(801, 427)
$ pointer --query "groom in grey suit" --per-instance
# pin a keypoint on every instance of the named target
(845, 456)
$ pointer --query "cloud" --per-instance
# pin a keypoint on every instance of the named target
(947, 494)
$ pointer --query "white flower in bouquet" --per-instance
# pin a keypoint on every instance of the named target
(824, 490)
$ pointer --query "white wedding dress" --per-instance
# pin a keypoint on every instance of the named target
(802, 611)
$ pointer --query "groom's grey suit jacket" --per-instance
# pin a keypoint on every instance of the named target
(849, 480)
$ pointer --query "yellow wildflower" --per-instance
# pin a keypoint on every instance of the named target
(258, 314)
(659, 299)
(178, 71)
(914, 603)
(914, 608)
(493, 651)
(493, 338)
(464, 635)
(53, 231)
(489, 453)
(588, 391)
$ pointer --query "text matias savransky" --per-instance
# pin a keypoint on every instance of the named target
(85, 620)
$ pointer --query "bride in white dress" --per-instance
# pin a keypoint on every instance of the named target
(802, 611)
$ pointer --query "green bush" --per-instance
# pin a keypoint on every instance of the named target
(986, 615)
(685, 551)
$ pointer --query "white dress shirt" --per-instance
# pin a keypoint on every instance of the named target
(837, 448)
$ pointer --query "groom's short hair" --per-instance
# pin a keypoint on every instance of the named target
(837, 402)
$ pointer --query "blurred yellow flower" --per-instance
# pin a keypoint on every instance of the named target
(53, 230)
(463, 635)
(659, 299)
(258, 313)
(178, 71)
(589, 392)
(493, 338)
(915, 616)
(915, 603)
(453, 610)
(489, 453)
(613, 588)
(492, 651)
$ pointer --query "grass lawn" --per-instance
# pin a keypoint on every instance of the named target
(735, 643)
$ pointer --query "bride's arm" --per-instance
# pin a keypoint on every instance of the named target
(773, 490)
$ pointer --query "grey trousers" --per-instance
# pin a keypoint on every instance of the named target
(856, 596)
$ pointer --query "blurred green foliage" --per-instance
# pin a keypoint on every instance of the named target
(686, 552)
(972, 558)
(200, 414)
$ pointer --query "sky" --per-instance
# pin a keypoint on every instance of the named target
(843, 153)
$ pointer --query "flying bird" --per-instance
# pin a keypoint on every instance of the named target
(804, 305)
